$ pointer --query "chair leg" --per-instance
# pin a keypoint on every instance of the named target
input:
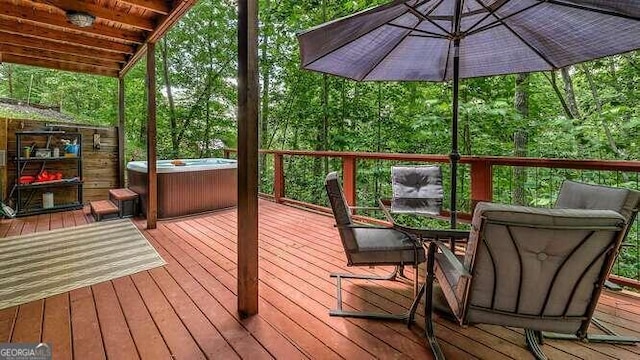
(428, 305)
(532, 338)
(610, 336)
(406, 316)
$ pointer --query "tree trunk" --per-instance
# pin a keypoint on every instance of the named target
(172, 109)
(266, 80)
(10, 79)
(554, 84)
(207, 132)
(321, 165)
(378, 141)
(598, 102)
(521, 102)
(569, 92)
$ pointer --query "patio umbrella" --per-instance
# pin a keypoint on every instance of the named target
(448, 40)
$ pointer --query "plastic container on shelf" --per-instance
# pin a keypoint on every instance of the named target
(71, 150)
(47, 200)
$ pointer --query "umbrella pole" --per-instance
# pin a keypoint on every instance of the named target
(455, 155)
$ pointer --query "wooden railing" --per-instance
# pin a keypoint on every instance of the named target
(481, 168)
(481, 174)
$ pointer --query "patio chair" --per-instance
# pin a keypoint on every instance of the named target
(531, 268)
(366, 245)
(577, 195)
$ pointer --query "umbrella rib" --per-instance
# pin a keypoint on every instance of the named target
(503, 3)
(432, 34)
(538, 52)
(592, 9)
(421, 16)
(349, 42)
(390, 51)
(496, 23)
(446, 64)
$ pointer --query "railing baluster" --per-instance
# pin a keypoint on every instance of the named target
(481, 182)
(349, 178)
(278, 177)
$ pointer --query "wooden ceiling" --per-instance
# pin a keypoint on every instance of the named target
(37, 32)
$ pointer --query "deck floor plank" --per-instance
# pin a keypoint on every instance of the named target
(188, 308)
(56, 328)
(317, 326)
(205, 334)
(7, 319)
(86, 334)
(219, 304)
(147, 337)
(116, 335)
(28, 324)
(175, 334)
(220, 283)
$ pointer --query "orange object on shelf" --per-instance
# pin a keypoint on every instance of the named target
(26, 179)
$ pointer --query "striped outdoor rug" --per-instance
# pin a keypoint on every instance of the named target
(40, 265)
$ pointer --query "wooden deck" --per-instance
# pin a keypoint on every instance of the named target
(187, 309)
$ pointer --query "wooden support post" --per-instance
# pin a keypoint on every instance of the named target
(349, 179)
(278, 177)
(152, 176)
(481, 182)
(121, 123)
(248, 100)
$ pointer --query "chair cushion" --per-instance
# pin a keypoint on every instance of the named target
(384, 246)
(575, 195)
(417, 189)
(534, 216)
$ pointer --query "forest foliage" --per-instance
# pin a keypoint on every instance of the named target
(591, 110)
(304, 110)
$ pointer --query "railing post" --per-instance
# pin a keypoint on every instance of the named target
(481, 182)
(225, 153)
(278, 177)
(349, 178)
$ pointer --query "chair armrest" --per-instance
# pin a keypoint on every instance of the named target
(361, 226)
(364, 208)
(451, 260)
(435, 233)
(382, 204)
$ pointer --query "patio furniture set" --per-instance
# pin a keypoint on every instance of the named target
(541, 270)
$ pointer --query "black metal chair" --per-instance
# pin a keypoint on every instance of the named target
(366, 245)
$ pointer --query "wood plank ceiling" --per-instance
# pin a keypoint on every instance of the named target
(38, 33)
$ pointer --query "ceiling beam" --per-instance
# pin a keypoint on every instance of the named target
(101, 12)
(37, 16)
(167, 22)
(12, 39)
(157, 6)
(56, 56)
(57, 65)
(30, 30)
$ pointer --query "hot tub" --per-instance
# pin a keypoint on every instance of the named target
(200, 185)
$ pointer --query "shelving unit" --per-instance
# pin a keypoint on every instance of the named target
(27, 195)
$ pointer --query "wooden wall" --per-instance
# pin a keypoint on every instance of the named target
(100, 166)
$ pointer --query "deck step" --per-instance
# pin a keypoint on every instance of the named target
(104, 209)
(126, 200)
(122, 194)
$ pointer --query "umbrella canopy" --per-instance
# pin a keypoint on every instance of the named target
(442, 40)
(414, 40)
